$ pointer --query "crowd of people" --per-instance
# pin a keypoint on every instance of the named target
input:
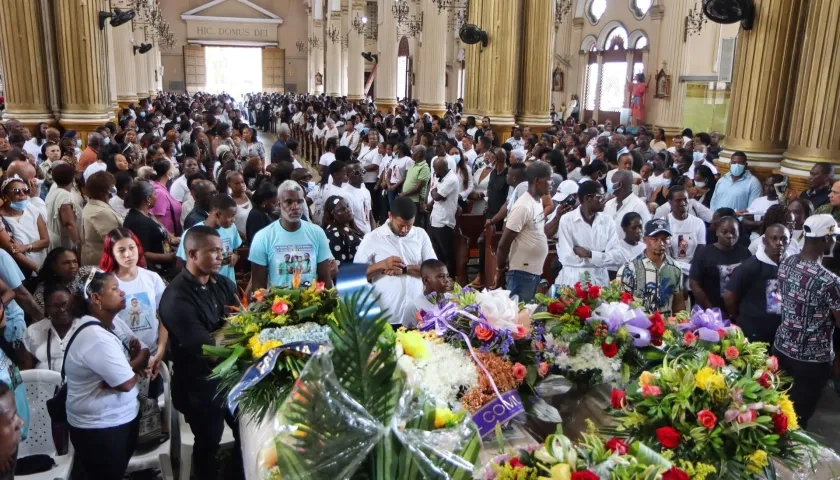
(147, 230)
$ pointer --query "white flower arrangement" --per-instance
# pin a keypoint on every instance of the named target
(588, 357)
(443, 374)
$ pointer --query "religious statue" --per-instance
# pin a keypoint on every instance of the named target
(319, 79)
(557, 80)
(637, 89)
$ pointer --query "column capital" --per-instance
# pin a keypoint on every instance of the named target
(359, 4)
(318, 22)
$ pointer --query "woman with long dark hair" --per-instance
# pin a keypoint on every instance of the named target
(342, 232)
(262, 215)
(156, 241)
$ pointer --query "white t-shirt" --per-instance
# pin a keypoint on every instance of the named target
(471, 156)
(98, 356)
(360, 203)
(686, 235)
(398, 168)
(326, 159)
(240, 218)
(142, 297)
(759, 207)
(443, 211)
(370, 156)
(93, 168)
(628, 252)
(530, 247)
(179, 189)
(36, 339)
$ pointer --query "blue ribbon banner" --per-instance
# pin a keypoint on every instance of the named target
(263, 367)
(499, 411)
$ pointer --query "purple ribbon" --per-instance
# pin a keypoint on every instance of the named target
(637, 325)
(706, 323)
(500, 410)
(440, 319)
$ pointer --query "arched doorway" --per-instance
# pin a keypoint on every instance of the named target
(403, 69)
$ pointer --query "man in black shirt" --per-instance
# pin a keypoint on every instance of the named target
(819, 184)
(497, 192)
(192, 309)
(203, 192)
(753, 299)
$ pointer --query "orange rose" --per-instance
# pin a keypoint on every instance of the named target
(483, 333)
(279, 307)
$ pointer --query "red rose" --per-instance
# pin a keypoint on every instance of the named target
(764, 380)
(707, 419)
(579, 291)
(594, 291)
(715, 361)
(656, 318)
(584, 475)
(616, 446)
(610, 349)
(583, 312)
(556, 308)
(617, 398)
(657, 329)
(657, 342)
(626, 297)
(731, 353)
(722, 333)
(780, 423)
(669, 437)
(675, 474)
(515, 462)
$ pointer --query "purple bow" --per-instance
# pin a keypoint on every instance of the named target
(634, 320)
(706, 323)
(440, 319)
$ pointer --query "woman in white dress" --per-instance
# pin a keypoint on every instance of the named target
(351, 136)
(481, 179)
(239, 192)
(28, 235)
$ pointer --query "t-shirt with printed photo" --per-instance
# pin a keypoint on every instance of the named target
(286, 254)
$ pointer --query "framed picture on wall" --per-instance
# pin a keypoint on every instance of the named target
(319, 79)
(557, 80)
(663, 85)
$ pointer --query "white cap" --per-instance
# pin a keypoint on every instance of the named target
(822, 225)
(566, 189)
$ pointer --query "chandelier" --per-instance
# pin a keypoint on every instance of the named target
(562, 9)
(332, 33)
(694, 22)
(449, 4)
(411, 26)
(301, 45)
(359, 24)
(345, 40)
(400, 10)
(372, 32)
(314, 42)
(457, 19)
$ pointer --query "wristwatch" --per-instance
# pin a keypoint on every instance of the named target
(405, 269)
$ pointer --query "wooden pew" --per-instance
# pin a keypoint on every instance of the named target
(468, 228)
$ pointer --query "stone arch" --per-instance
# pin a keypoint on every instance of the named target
(403, 48)
(605, 32)
(634, 36)
(587, 43)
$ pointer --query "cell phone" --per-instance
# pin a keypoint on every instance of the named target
(569, 201)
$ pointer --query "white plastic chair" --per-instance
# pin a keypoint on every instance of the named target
(40, 386)
(158, 457)
(187, 442)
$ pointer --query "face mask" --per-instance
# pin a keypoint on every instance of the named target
(19, 205)
(699, 157)
(619, 130)
(79, 143)
(700, 184)
(601, 177)
(657, 182)
(309, 187)
(142, 114)
(106, 141)
(737, 169)
(611, 188)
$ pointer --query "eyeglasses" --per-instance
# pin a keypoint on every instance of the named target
(18, 191)
(91, 276)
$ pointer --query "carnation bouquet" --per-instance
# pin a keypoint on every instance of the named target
(599, 335)
(266, 343)
(717, 424)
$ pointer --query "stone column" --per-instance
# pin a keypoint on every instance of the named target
(431, 86)
(141, 66)
(83, 66)
(112, 61)
(125, 66)
(763, 83)
(151, 67)
(355, 62)
(333, 66)
(490, 90)
(345, 48)
(816, 105)
(319, 55)
(386, 70)
(667, 113)
(23, 54)
(537, 59)
(159, 63)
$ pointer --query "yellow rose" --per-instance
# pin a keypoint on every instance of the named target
(646, 379)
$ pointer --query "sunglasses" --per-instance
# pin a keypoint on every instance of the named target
(18, 191)
(94, 273)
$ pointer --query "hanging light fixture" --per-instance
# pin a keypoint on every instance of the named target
(694, 22)
(562, 9)
(301, 46)
(360, 23)
(400, 10)
(332, 33)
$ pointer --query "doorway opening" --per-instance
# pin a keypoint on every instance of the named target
(233, 70)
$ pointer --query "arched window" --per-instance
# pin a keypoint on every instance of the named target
(640, 7)
(402, 68)
(617, 39)
(641, 43)
(596, 10)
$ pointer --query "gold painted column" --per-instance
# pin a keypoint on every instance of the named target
(83, 65)
(537, 59)
(333, 66)
(355, 62)
(386, 70)
(667, 113)
(491, 90)
(24, 60)
(813, 131)
(764, 79)
(141, 66)
(431, 86)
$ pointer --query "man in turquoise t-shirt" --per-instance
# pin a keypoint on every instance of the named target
(222, 213)
(289, 246)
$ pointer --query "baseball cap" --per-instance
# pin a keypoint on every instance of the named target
(655, 226)
(566, 189)
(821, 225)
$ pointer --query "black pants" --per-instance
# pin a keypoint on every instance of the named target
(103, 453)
(809, 380)
(443, 241)
(375, 197)
(206, 415)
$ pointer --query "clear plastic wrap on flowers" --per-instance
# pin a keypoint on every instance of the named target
(322, 432)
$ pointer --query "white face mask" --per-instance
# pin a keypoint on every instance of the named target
(700, 184)
(657, 182)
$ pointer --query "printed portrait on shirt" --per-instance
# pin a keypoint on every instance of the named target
(139, 312)
(774, 297)
(291, 259)
(725, 271)
(682, 245)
